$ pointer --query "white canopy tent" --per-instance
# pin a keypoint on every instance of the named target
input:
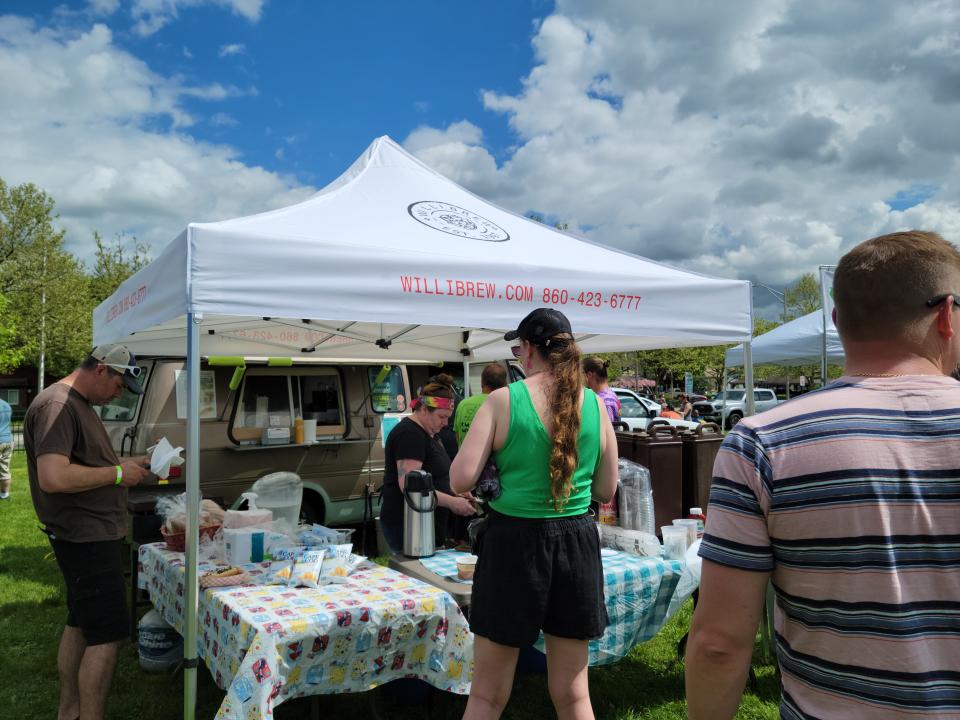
(394, 262)
(798, 342)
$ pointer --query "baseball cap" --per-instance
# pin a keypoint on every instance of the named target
(540, 325)
(122, 360)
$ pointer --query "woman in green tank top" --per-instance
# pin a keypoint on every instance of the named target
(539, 560)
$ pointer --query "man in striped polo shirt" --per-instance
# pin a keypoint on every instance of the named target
(848, 499)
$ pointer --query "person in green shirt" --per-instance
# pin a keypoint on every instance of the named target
(539, 565)
(493, 377)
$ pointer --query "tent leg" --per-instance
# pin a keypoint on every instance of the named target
(466, 379)
(823, 350)
(193, 516)
(748, 376)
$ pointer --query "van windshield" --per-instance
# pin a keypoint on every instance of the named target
(386, 389)
(124, 407)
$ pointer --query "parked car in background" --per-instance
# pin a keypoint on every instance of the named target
(728, 408)
(637, 411)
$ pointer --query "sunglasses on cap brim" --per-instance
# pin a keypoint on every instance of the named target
(134, 370)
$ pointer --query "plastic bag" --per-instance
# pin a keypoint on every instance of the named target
(318, 535)
(173, 510)
(339, 564)
(211, 549)
(281, 571)
(635, 542)
(307, 569)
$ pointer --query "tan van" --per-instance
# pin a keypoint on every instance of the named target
(348, 401)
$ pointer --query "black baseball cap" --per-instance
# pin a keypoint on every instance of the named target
(540, 325)
(123, 361)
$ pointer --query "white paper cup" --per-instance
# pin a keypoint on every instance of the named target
(465, 567)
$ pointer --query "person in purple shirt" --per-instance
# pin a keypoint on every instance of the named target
(595, 370)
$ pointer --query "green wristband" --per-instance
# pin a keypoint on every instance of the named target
(119, 475)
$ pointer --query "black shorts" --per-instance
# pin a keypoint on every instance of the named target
(96, 592)
(538, 574)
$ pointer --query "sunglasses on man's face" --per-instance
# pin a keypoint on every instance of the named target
(517, 351)
(134, 370)
(933, 302)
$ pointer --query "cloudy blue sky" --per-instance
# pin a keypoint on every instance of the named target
(744, 139)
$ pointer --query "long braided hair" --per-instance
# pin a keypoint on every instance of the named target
(562, 355)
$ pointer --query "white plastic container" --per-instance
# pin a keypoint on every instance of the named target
(244, 545)
(309, 431)
(282, 493)
(159, 646)
(252, 517)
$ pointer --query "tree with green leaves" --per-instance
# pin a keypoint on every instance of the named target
(803, 297)
(44, 284)
(115, 262)
(26, 221)
(49, 296)
(11, 351)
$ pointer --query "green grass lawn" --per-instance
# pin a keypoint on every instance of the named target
(646, 685)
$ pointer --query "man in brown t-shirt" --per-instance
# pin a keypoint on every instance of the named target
(79, 490)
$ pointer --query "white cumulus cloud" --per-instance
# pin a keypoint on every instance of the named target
(232, 49)
(151, 15)
(103, 134)
(759, 143)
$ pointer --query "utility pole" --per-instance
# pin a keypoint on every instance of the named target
(636, 364)
(43, 325)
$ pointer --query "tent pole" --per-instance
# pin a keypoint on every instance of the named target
(748, 376)
(823, 350)
(466, 379)
(193, 516)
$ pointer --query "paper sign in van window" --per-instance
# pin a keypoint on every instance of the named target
(386, 389)
(208, 394)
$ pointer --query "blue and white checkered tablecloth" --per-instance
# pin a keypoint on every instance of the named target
(638, 591)
(444, 564)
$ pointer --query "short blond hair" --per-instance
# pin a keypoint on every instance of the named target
(880, 288)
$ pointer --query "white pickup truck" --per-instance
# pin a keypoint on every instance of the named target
(730, 406)
(637, 411)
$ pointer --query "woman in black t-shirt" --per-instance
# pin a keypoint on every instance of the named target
(413, 445)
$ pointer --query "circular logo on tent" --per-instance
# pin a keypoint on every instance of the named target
(456, 221)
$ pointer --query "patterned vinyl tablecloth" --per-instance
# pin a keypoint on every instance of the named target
(638, 593)
(265, 644)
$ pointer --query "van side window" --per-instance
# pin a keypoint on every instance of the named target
(265, 403)
(386, 389)
(320, 398)
(274, 397)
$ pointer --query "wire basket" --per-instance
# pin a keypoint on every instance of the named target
(178, 541)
